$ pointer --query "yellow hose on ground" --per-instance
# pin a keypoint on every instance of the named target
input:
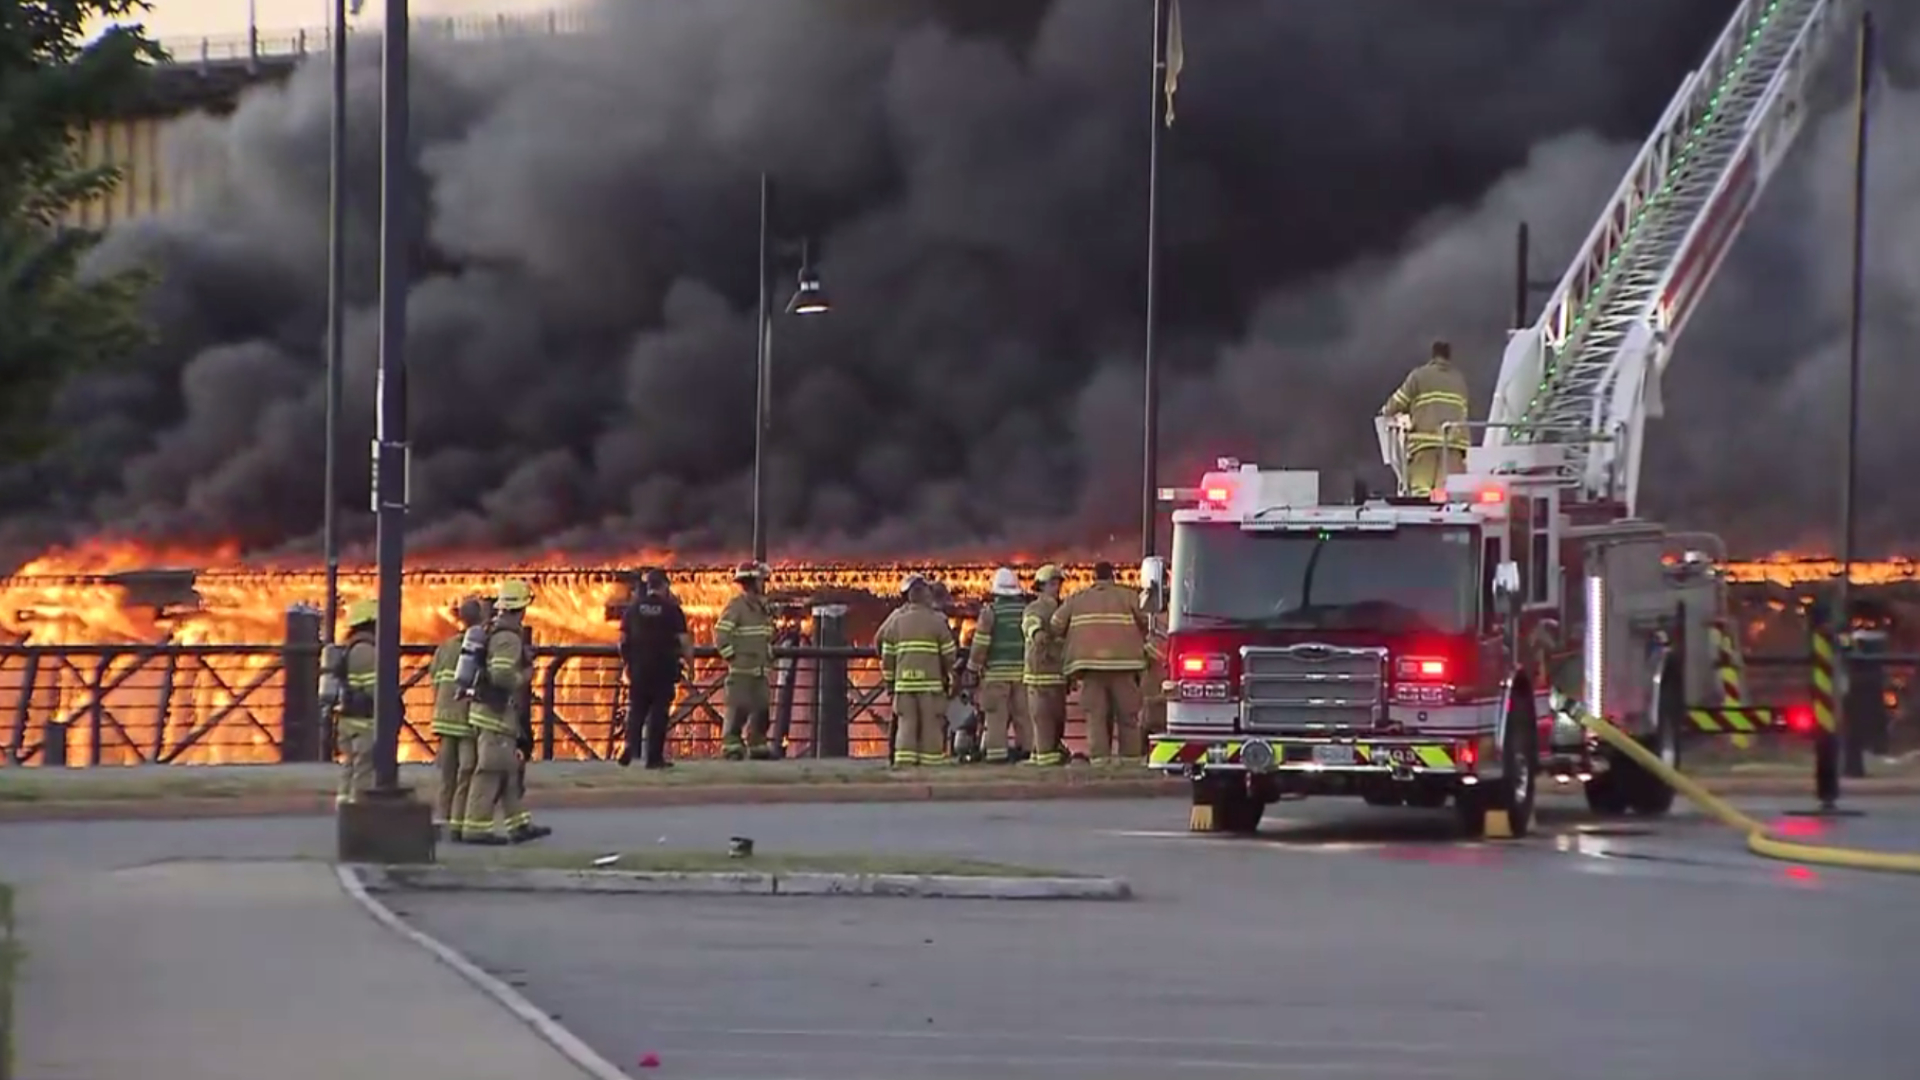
(1758, 841)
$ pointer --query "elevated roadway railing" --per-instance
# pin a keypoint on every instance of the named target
(286, 46)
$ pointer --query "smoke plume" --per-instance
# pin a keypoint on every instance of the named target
(1342, 185)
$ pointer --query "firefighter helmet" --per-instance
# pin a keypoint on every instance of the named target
(1045, 574)
(908, 583)
(514, 595)
(750, 571)
(1006, 582)
(362, 612)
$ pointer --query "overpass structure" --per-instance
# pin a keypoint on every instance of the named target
(207, 76)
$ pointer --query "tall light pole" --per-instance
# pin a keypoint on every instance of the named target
(808, 299)
(336, 312)
(1168, 59)
(390, 450)
(1847, 735)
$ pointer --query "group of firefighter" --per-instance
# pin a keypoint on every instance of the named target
(1027, 651)
(482, 716)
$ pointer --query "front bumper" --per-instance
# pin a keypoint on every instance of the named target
(1401, 756)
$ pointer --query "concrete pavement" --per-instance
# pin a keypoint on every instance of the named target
(238, 971)
(1343, 942)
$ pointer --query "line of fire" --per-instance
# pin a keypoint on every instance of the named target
(120, 656)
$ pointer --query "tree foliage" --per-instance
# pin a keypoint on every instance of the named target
(56, 80)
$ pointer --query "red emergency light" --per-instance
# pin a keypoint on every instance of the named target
(1800, 719)
(1216, 496)
(1424, 668)
(1201, 666)
(1492, 496)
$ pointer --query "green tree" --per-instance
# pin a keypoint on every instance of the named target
(56, 78)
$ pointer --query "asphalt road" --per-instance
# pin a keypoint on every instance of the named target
(1343, 942)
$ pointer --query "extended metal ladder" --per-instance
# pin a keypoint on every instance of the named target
(1592, 362)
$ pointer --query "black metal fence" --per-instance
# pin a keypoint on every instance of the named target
(85, 705)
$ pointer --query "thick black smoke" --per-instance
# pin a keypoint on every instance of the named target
(1342, 184)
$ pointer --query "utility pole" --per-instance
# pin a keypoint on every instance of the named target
(1159, 101)
(762, 375)
(389, 825)
(336, 316)
(1843, 614)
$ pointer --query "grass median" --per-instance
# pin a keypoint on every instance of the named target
(670, 861)
(238, 782)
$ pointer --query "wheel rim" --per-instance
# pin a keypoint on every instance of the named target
(1522, 781)
(1669, 746)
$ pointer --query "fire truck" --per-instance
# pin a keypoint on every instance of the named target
(1435, 649)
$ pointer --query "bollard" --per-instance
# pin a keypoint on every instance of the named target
(830, 682)
(300, 686)
(1825, 687)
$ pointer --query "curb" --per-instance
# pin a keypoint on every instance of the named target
(566, 1042)
(444, 878)
(609, 798)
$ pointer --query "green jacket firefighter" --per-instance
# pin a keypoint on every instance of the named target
(999, 655)
(353, 717)
(744, 636)
(1433, 396)
(499, 694)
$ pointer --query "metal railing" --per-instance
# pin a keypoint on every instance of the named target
(94, 705)
(288, 45)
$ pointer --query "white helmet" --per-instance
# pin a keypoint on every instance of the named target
(1006, 582)
(907, 583)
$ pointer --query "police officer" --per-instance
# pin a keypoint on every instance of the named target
(353, 719)
(655, 646)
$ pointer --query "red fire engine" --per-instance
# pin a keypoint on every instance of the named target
(1420, 651)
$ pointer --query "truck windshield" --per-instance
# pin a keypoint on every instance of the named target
(1410, 580)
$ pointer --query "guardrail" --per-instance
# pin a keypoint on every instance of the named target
(285, 45)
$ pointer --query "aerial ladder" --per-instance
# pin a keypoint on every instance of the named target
(1586, 376)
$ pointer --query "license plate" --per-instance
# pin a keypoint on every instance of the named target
(1333, 755)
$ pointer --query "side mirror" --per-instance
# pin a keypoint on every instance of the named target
(1506, 581)
(1153, 580)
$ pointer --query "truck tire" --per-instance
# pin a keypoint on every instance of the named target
(1230, 807)
(1649, 795)
(1514, 791)
(1606, 796)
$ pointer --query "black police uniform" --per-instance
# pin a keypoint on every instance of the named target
(650, 643)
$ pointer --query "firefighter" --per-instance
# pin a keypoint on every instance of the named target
(744, 636)
(1106, 651)
(1433, 396)
(998, 657)
(499, 697)
(1153, 685)
(1046, 685)
(455, 757)
(353, 720)
(917, 655)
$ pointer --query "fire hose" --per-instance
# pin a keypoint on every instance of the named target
(1759, 841)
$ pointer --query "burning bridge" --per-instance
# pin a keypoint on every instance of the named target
(113, 658)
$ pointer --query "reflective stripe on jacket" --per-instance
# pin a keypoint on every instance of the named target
(917, 651)
(1104, 629)
(361, 661)
(1043, 659)
(449, 708)
(744, 636)
(1433, 396)
(999, 650)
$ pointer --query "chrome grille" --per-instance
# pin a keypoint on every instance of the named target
(1312, 688)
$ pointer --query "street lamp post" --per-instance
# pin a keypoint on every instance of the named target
(808, 299)
(389, 825)
(336, 315)
(1846, 741)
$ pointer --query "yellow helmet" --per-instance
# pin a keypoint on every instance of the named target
(362, 612)
(513, 595)
(1045, 574)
